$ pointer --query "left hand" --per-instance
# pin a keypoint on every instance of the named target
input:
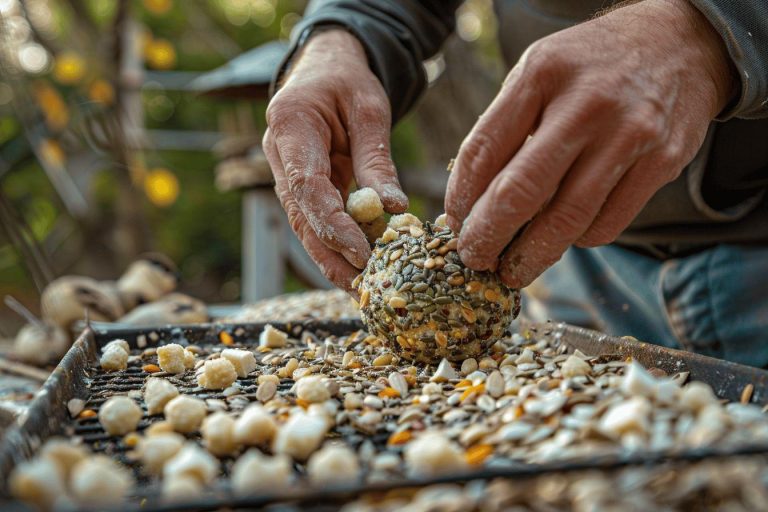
(617, 107)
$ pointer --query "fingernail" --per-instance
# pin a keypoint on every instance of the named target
(393, 194)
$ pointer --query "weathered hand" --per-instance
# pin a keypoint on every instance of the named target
(616, 108)
(330, 121)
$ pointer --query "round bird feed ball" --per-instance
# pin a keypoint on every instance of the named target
(364, 205)
(418, 296)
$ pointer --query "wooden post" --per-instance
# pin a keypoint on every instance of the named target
(263, 265)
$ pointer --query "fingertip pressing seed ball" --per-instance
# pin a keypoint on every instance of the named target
(312, 389)
(154, 451)
(119, 415)
(114, 359)
(433, 454)
(255, 426)
(170, 358)
(38, 482)
(300, 436)
(272, 338)
(192, 462)
(254, 472)
(333, 465)
(364, 205)
(157, 393)
(418, 296)
(243, 360)
(185, 413)
(217, 374)
(218, 434)
(99, 480)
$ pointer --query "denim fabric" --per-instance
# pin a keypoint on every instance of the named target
(714, 302)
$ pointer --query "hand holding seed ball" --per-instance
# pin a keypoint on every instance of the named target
(417, 295)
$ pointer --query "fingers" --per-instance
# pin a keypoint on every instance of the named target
(302, 142)
(368, 127)
(493, 141)
(626, 200)
(567, 215)
(333, 265)
(517, 193)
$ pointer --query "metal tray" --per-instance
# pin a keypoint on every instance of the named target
(77, 376)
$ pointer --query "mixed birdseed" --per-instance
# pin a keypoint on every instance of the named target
(417, 295)
(350, 407)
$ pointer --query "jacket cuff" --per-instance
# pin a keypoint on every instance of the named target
(743, 28)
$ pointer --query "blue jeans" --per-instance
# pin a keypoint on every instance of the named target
(714, 302)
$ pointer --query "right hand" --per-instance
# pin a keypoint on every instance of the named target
(329, 122)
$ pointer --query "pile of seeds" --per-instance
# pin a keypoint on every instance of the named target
(349, 408)
(416, 294)
(735, 484)
(317, 304)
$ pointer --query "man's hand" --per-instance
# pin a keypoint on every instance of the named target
(330, 121)
(616, 108)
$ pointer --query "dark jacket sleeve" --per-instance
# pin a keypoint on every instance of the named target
(743, 25)
(397, 35)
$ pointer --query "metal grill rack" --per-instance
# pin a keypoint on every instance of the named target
(79, 376)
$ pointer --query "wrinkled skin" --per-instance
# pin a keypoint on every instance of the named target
(615, 107)
(330, 122)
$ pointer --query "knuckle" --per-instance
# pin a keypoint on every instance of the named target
(569, 217)
(479, 151)
(518, 188)
(596, 236)
(646, 125)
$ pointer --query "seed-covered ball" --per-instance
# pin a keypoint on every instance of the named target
(417, 295)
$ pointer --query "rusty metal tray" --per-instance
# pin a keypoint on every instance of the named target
(76, 377)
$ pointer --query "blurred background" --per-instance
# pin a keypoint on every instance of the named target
(109, 146)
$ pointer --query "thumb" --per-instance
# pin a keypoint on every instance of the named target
(369, 130)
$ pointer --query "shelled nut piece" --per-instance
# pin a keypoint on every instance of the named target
(157, 393)
(243, 360)
(272, 338)
(119, 415)
(300, 436)
(217, 374)
(255, 426)
(99, 480)
(185, 413)
(312, 389)
(433, 454)
(333, 465)
(189, 359)
(170, 358)
(192, 462)
(181, 488)
(37, 482)
(154, 451)
(64, 454)
(218, 434)
(364, 205)
(114, 358)
(255, 472)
